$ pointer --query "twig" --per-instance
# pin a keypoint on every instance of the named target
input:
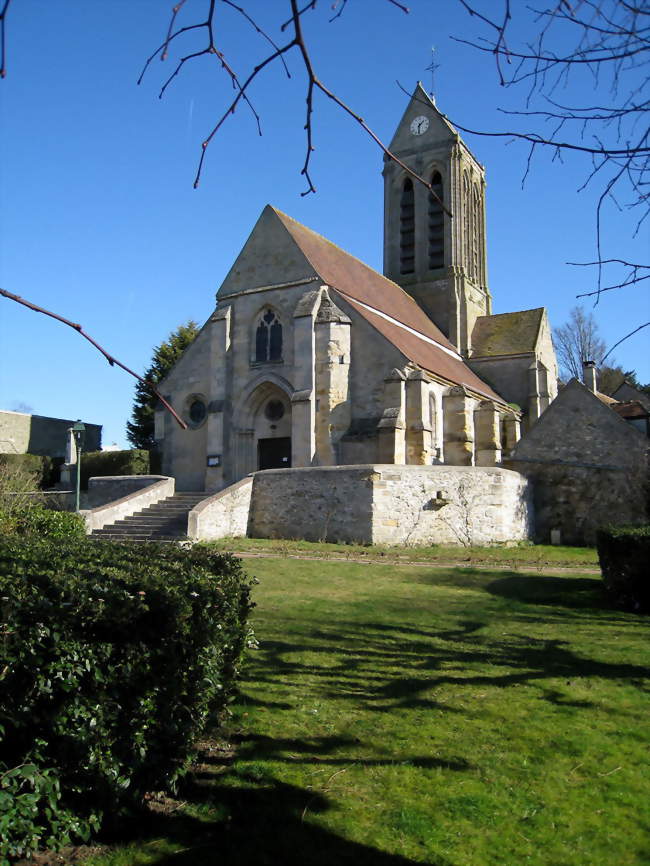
(615, 770)
(111, 360)
(3, 20)
(297, 40)
(623, 339)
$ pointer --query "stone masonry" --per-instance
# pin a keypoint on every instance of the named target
(390, 504)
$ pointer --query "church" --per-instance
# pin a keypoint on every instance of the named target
(313, 359)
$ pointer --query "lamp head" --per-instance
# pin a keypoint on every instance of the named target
(79, 431)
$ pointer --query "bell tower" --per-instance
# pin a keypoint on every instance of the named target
(434, 246)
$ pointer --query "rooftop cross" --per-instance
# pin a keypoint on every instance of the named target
(432, 69)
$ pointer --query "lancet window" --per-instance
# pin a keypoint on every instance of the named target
(268, 338)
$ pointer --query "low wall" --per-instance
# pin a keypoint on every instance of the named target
(325, 503)
(144, 490)
(224, 515)
(108, 488)
(450, 505)
(389, 504)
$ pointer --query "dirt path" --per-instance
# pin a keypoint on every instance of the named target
(524, 567)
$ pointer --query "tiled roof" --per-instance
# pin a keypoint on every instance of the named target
(506, 333)
(387, 307)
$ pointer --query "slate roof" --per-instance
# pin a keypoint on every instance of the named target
(407, 326)
(506, 333)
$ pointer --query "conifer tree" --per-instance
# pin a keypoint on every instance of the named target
(140, 429)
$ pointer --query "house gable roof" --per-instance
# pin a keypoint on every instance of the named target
(579, 428)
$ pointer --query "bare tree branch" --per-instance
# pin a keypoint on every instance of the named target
(111, 360)
(314, 83)
(3, 55)
(626, 337)
(609, 41)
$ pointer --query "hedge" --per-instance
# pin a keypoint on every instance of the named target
(115, 658)
(46, 470)
(102, 463)
(37, 520)
(624, 555)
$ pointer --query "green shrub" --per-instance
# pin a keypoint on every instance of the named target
(27, 791)
(624, 554)
(45, 523)
(31, 463)
(114, 660)
(103, 463)
(43, 471)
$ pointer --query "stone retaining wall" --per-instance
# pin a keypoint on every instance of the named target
(327, 503)
(224, 515)
(389, 504)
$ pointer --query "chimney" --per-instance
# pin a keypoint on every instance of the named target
(589, 375)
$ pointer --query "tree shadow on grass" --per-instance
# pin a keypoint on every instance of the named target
(568, 592)
(383, 665)
(252, 819)
(318, 750)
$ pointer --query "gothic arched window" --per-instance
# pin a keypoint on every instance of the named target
(436, 224)
(407, 228)
(268, 338)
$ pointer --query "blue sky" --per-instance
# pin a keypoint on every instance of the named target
(99, 220)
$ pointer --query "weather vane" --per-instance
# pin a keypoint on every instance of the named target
(432, 69)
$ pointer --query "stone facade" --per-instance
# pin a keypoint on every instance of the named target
(588, 467)
(37, 434)
(346, 385)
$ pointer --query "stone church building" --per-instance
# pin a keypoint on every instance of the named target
(313, 359)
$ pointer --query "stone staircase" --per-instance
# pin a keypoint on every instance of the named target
(165, 521)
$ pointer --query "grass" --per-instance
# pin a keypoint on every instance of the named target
(400, 715)
(524, 555)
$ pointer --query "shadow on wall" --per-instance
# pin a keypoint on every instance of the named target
(49, 436)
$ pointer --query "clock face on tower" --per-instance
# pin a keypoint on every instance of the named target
(419, 125)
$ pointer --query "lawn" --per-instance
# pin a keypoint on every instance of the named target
(398, 714)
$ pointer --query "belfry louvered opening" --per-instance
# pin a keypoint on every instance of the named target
(407, 228)
(436, 223)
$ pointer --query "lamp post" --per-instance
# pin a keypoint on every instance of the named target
(79, 432)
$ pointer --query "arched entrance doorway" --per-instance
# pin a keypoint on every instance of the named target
(264, 429)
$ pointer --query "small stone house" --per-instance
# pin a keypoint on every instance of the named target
(587, 464)
(312, 358)
(22, 433)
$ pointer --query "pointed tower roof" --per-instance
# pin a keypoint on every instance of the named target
(421, 105)
(440, 132)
